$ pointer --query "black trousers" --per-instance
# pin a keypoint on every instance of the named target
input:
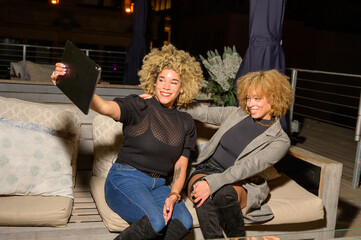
(222, 211)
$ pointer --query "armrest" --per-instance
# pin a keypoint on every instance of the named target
(329, 180)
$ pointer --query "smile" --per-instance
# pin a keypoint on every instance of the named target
(165, 94)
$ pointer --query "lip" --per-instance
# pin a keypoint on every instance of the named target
(165, 94)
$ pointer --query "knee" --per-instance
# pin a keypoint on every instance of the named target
(186, 219)
(225, 196)
(157, 222)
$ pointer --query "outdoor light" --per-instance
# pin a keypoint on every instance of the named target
(54, 2)
(128, 6)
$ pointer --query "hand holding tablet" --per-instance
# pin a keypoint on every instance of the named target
(80, 80)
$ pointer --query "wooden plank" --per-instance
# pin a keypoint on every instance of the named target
(118, 92)
(86, 147)
(78, 194)
(84, 211)
(86, 132)
(310, 157)
(87, 119)
(83, 200)
(35, 97)
(27, 86)
(85, 218)
(87, 205)
(73, 231)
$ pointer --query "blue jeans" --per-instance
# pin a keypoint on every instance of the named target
(132, 194)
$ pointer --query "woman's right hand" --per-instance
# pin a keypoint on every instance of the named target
(60, 70)
(201, 191)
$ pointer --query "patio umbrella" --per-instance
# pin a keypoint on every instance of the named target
(137, 47)
(265, 32)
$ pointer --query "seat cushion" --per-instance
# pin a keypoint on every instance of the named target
(41, 210)
(34, 160)
(63, 118)
(107, 138)
(112, 220)
(35, 210)
(288, 201)
(291, 203)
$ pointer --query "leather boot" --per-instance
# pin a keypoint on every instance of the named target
(140, 230)
(175, 230)
(209, 220)
(232, 221)
(229, 211)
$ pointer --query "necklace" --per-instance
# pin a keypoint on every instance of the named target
(265, 125)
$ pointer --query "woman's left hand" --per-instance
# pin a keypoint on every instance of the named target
(201, 192)
(168, 207)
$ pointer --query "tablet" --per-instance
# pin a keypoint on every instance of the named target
(81, 78)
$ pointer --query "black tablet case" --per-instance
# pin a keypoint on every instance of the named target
(81, 78)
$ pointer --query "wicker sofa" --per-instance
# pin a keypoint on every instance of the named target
(38, 153)
(296, 210)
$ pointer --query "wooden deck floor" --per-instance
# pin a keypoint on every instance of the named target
(338, 144)
(324, 139)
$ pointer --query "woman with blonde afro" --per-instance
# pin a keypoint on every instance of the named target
(157, 142)
(228, 184)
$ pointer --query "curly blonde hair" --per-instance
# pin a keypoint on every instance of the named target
(189, 70)
(272, 84)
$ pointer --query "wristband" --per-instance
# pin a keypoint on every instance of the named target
(177, 194)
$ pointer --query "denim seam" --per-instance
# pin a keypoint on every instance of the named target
(145, 212)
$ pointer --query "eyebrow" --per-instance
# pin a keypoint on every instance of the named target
(173, 79)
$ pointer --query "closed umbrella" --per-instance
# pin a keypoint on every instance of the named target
(265, 32)
(137, 48)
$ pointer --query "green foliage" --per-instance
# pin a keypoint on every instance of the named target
(222, 72)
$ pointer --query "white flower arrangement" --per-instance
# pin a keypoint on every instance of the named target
(222, 73)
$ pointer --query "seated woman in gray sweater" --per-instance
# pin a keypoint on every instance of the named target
(250, 139)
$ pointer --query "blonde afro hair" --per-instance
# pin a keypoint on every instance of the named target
(272, 84)
(188, 69)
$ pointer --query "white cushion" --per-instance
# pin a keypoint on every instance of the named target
(41, 210)
(63, 118)
(34, 160)
(107, 138)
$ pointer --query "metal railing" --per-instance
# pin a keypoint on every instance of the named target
(329, 97)
(324, 96)
(111, 62)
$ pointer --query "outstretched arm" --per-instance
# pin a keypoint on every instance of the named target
(98, 104)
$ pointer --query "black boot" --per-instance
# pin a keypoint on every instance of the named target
(232, 221)
(229, 211)
(175, 230)
(209, 220)
(140, 230)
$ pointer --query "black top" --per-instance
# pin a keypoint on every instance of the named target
(237, 138)
(154, 136)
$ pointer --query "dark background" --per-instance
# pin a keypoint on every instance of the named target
(317, 34)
